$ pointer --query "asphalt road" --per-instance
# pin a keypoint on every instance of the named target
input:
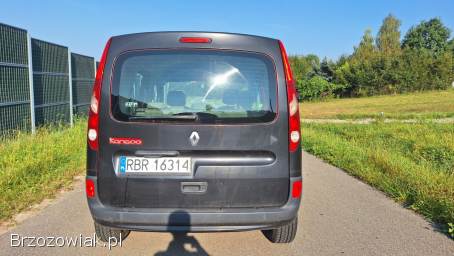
(340, 216)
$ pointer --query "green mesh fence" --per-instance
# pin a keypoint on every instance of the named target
(50, 82)
(81, 110)
(13, 45)
(49, 57)
(14, 86)
(50, 89)
(52, 114)
(82, 71)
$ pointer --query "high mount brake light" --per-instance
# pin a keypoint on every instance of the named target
(292, 99)
(93, 113)
(200, 40)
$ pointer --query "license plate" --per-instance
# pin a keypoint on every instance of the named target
(161, 165)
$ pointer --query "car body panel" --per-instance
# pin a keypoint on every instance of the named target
(243, 167)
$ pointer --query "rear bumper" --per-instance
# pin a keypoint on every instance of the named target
(194, 220)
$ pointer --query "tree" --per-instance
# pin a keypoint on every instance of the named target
(327, 69)
(300, 67)
(388, 38)
(366, 48)
(420, 69)
(314, 61)
(431, 35)
(304, 67)
(359, 73)
(451, 45)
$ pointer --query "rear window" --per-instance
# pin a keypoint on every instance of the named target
(194, 86)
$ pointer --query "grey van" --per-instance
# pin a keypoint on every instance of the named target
(194, 132)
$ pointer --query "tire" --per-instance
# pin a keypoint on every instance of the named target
(282, 234)
(105, 233)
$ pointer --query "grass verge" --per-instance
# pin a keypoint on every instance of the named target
(435, 104)
(412, 163)
(34, 167)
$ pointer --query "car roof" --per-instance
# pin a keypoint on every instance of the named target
(192, 32)
(171, 40)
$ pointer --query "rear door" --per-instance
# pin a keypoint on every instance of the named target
(219, 107)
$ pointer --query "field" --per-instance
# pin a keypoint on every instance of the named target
(411, 162)
(436, 104)
(36, 167)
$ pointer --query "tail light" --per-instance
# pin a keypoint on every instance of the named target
(90, 188)
(297, 188)
(93, 114)
(293, 108)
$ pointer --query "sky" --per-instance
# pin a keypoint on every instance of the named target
(326, 28)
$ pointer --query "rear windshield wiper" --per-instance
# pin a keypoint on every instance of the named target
(186, 116)
(199, 116)
(164, 118)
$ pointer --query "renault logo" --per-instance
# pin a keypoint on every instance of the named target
(194, 138)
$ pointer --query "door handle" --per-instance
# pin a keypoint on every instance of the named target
(194, 187)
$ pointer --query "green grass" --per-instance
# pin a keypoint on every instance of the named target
(412, 163)
(34, 167)
(434, 104)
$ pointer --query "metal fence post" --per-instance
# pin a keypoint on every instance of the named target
(30, 82)
(70, 84)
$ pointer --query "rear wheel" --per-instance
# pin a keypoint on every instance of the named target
(107, 234)
(282, 234)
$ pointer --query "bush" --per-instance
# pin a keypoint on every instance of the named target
(316, 88)
(412, 70)
(420, 70)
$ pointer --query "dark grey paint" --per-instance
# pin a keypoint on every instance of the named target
(244, 166)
